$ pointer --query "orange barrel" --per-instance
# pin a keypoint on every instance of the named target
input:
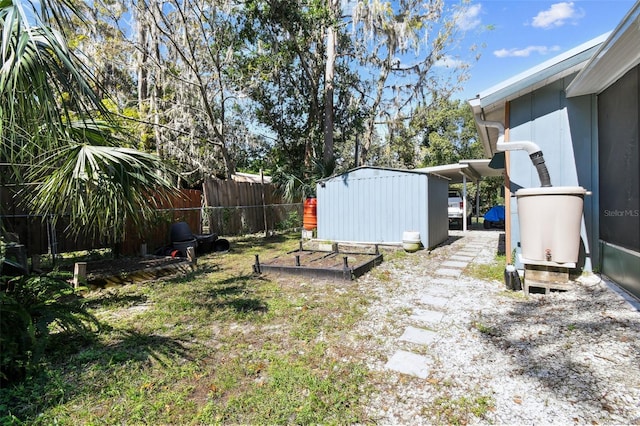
(310, 217)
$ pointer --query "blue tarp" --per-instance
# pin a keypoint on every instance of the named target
(495, 214)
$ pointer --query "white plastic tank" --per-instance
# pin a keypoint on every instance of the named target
(550, 219)
(411, 241)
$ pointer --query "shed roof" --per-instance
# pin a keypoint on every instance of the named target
(490, 104)
(472, 169)
(386, 169)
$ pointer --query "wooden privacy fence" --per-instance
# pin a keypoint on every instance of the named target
(36, 232)
(236, 208)
(39, 236)
(184, 206)
(230, 208)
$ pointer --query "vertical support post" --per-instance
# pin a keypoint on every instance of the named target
(478, 200)
(256, 267)
(297, 260)
(191, 255)
(507, 188)
(345, 261)
(143, 249)
(464, 203)
(264, 206)
(53, 242)
(79, 274)
(35, 263)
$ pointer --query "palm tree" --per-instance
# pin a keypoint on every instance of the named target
(58, 141)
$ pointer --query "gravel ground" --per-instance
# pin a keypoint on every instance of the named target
(498, 357)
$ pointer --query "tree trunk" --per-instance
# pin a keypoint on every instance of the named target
(141, 67)
(332, 45)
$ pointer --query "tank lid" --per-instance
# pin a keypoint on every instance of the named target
(552, 190)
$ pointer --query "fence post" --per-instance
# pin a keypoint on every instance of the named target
(191, 255)
(264, 207)
(79, 274)
(35, 263)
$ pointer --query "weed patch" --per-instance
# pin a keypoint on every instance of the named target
(459, 410)
(220, 345)
(493, 271)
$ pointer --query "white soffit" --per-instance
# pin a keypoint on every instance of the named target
(617, 55)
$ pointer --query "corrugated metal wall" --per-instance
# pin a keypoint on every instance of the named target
(378, 205)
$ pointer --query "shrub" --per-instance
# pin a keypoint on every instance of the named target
(31, 308)
(292, 221)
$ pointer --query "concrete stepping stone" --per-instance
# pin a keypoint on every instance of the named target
(441, 281)
(426, 316)
(409, 363)
(449, 272)
(461, 258)
(474, 246)
(435, 301)
(455, 264)
(419, 336)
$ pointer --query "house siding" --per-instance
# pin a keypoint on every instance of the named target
(564, 132)
(378, 205)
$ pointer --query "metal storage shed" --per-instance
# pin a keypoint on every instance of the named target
(377, 205)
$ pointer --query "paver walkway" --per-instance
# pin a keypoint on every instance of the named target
(430, 313)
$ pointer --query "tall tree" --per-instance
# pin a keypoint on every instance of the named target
(400, 46)
(195, 57)
(330, 65)
(302, 89)
(57, 135)
(446, 132)
(284, 66)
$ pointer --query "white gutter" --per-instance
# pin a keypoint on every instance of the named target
(534, 151)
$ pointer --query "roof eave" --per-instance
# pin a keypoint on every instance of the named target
(490, 104)
(615, 57)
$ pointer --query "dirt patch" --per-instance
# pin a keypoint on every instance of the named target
(321, 264)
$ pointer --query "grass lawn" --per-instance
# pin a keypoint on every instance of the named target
(217, 346)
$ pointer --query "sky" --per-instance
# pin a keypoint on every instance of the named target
(526, 33)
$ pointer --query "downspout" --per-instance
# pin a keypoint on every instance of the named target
(534, 151)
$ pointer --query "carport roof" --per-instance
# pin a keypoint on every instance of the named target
(472, 169)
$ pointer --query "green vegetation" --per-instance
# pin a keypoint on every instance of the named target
(460, 410)
(32, 309)
(217, 346)
(488, 271)
(484, 328)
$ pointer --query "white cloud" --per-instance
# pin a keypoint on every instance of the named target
(557, 15)
(449, 62)
(523, 53)
(468, 18)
